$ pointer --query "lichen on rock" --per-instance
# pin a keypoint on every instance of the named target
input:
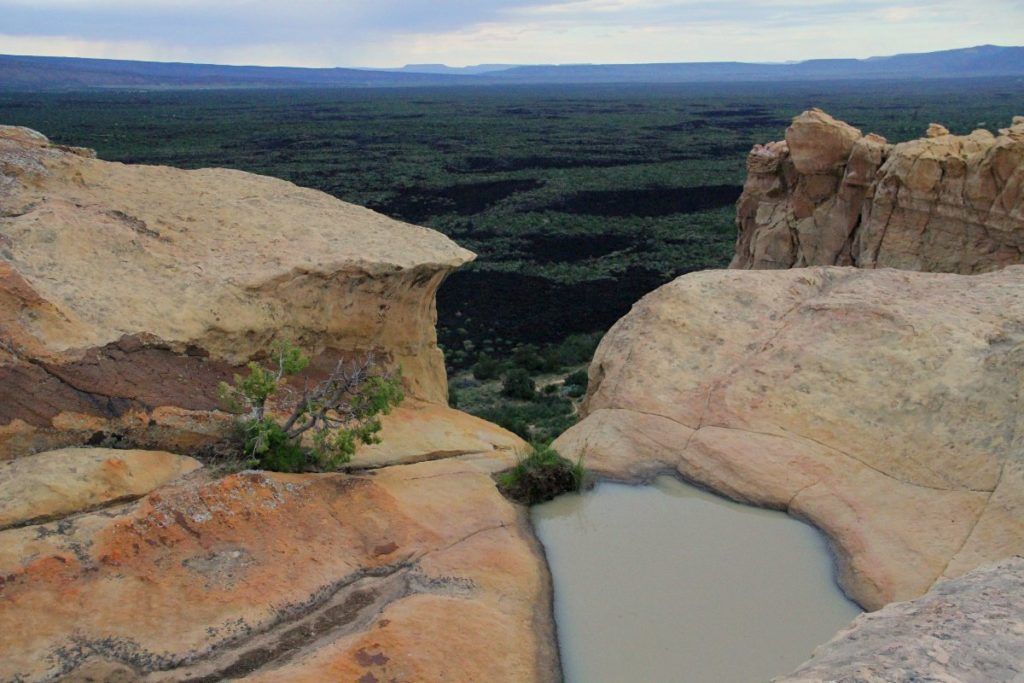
(414, 573)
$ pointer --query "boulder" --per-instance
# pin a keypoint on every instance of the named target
(127, 293)
(413, 573)
(968, 630)
(883, 406)
(830, 196)
(51, 485)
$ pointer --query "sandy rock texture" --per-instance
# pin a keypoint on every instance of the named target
(411, 573)
(127, 293)
(967, 630)
(55, 484)
(881, 405)
(829, 195)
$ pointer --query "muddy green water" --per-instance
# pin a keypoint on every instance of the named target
(668, 583)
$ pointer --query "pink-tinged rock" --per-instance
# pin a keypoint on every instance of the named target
(882, 406)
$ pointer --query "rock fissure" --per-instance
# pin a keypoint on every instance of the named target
(254, 648)
(57, 517)
(787, 434)
(977, 521)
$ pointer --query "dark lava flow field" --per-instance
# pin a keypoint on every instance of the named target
(579, 199)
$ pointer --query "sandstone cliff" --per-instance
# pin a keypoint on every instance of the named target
(829, 195)
(881, 405)
(127, 293)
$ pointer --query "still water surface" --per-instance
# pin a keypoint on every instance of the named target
(668, 583)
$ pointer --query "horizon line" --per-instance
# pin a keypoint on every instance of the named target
(506, 66)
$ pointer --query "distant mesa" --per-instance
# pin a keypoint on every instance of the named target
(445, 69)
(28, 73)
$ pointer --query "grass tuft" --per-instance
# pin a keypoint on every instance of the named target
(541, 476)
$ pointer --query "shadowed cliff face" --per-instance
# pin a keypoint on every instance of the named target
(829, 195)
(127, 293)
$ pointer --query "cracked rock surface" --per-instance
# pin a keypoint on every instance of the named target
(883, 406)
(409, 573)
(59, 483)
(127, 293)
(965, 630)
(828, 195)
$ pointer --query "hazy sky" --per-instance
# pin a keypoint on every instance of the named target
(459, 32)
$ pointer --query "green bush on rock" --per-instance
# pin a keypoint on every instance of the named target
(338, 412)
(541, 476)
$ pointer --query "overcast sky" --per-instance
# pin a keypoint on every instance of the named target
(460, 32)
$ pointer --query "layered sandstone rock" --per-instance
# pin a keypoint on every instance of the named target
(410, 573)
(127, 293)
(881, 405)
(968, 630)
(828, 195)
(46, 486)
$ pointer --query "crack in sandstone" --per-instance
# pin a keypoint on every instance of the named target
(977, 521)
(789, 503)
(127, 652)
(335, 610)
(335, 617)
(432, 456)
(60, 516)
(794, 435)
(871, 467)
(89, 395)
(345, 607)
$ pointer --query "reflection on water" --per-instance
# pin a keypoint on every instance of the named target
(671, 583)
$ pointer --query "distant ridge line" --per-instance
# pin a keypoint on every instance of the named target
(29, 73)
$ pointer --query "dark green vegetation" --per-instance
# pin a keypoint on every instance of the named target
(534, 392)
(578, 199)
(535, 415)
(541, 476)
(335, 413)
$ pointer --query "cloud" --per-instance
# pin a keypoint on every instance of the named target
(393, 32)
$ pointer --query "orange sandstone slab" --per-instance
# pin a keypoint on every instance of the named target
(419, 572)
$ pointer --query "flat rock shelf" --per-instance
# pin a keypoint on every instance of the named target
(668, 582)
